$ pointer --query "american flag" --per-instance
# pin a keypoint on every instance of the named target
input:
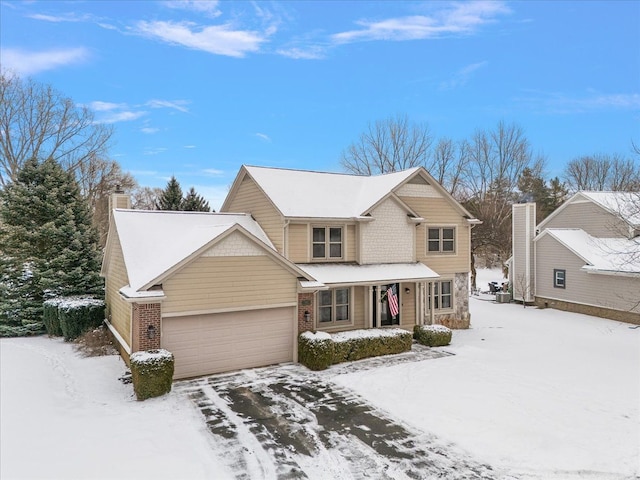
(392, 299)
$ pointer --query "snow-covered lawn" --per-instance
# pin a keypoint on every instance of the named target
(537, 393)
(542, 393)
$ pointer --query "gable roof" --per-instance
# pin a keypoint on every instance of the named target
(601, 255)
(624, 205)
(155, 242)
(307, 194)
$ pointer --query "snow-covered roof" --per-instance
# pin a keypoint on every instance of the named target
(601, 255)
(300, 193)
(624, 204)
(340, 273)
(155, 241)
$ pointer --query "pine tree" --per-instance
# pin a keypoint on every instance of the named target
(49, 246)
(171, 197)
(194, 202)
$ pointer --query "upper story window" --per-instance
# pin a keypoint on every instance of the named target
(559, 280)
(441, 239)
(327, 242)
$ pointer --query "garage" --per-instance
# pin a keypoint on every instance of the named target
(221, 342)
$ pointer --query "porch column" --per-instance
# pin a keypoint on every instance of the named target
(433, 302)
(147, 326)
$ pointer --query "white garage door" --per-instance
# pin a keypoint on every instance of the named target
(205, 344)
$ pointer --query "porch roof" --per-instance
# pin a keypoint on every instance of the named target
(380, 273)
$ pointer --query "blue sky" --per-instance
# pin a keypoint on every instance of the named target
(197, 88)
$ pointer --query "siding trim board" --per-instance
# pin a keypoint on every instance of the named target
(211, 311)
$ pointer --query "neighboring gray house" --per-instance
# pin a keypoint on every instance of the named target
(584, 257)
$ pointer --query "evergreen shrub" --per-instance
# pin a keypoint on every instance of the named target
(77, 315)
(315, 350)
(152, 373)
(432, 335)
(51, 318)
(359, 344)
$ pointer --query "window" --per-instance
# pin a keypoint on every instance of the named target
(559, 278)
(333, 305)
(441, 240)
(443, 295)
(327, 242)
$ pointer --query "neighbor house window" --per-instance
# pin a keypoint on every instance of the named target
(333, 305)
(327, 242)
(559, 278)
(443, 296)
(441, 240)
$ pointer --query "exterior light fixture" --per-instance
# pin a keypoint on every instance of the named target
(407, 290)
(307, 316)
(151, 332)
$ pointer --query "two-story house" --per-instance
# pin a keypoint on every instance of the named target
(584, 257)
(308, 251)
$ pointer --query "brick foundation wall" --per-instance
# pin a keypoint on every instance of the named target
(620, 316)
(144, 315)
(305, 304)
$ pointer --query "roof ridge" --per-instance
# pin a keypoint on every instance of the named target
(344, 174)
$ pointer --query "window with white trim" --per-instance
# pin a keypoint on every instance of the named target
(559, 278)
(333, 306)
(441, 239)
(327, 243)
(443, 294)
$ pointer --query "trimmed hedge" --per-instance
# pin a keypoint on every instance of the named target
(152, 373)
(51, 318)
(432, 335)
(320, 350)
(77, 315)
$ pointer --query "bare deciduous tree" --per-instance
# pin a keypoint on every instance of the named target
(146, 198)
(602, 172)
(448, 163)
(388, 146)
(37, 121)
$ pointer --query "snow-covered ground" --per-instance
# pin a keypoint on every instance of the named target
(537, 393)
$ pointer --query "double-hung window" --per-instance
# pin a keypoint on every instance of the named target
(559, 278)
(441, 239)
(443, 296)
(327, 243)
(333, 306)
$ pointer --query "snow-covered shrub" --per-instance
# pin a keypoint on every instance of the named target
(359, 344)
(77, 315)
(432, 335)
(315, 350)
(152, 373)
(51, 318)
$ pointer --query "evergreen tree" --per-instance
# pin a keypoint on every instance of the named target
(171, 197)
(534, 189)
(49, 246)
(193, 202)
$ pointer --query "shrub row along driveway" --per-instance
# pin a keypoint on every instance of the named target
(287, 422)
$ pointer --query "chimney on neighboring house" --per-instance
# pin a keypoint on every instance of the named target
(523, 262)
(118, 199)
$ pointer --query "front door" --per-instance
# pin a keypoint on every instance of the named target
(386, 305)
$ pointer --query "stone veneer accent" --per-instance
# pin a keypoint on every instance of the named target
(305, 304)
(143, 315)
(619, 315)
(461, 318)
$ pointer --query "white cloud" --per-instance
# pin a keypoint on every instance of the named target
(124, 116)
(189, 146)
(176, 104)
(26, 63)
(306, 53)
(207, 7)
(149, 130)
(67, 17)
(212, 172)
(216, 39)
(263, 136)
(460, 18)
(154, 150)
(462, 76)
(100, 106)
(562, 103)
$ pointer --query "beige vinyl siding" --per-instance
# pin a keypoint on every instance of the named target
(217, 283)
(118, 310)
(298, 242)
(408, 302)
(250, 199)
(438, 212)
(591, 218)
(609, 291)
(357, 311)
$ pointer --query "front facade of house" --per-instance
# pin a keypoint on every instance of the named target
(310, 251)
(585, 257)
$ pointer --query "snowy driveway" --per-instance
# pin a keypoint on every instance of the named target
(288, 422)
